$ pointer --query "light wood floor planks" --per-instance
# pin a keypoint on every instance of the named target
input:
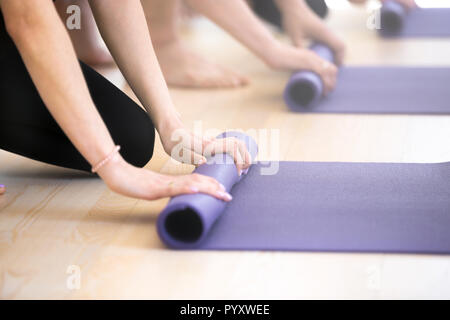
(53, 220)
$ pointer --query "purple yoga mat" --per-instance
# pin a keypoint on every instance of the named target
(351, 207)
(187, 219)
(397, 21)
(387, 90)
(305, 88)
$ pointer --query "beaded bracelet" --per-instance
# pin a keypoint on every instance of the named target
(106, 160)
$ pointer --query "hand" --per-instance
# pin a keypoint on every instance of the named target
(300, 22)
(186, 147)
(290, 58)
(134, 182)
(407, 3)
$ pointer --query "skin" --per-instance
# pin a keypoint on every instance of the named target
(407, 3)
(181, 66)
(184, 68)
(301, 23)
(44, 45)
(243, 25)
(87, 41)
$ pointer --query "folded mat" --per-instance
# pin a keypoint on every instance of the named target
(397, 21)
(394, 90)
(352, 207)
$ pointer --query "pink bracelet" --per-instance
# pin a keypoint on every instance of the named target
(106, 160)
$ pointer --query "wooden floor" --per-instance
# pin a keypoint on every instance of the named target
(56, 222)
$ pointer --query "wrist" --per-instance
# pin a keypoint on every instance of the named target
(110, 170)
(168, 122)
(273, 55)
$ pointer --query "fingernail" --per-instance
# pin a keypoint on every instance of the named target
(2, 185)
(222, 186)
(194, 189)
(202, 161)
(246, 171)
(240, 173)
(225, 195)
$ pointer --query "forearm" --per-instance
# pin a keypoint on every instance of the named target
(306, 17)
(124, 29)
(285, 5)
(236, 17)
(51, 62)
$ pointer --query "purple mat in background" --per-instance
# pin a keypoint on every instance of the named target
(352, 207)
(386, 90)
(397, 21)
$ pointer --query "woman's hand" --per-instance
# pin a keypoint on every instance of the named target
(286, 57)
(407, 3)
(186, 147)
(300, 22)
(131, 181)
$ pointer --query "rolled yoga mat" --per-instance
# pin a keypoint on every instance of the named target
(187, 219)
(383, 90)
(342, 207)
(398, 21)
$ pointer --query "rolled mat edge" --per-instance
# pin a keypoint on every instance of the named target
(187, 219)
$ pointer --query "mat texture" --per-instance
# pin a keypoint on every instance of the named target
(313, 206)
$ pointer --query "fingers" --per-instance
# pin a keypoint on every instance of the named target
(339, 49)
(197, 183)
(236, 148)
(297, 40)
(195, 158)
(196, 148)
(328, 73)
(409, 3)
(2, 189)
(247, 159)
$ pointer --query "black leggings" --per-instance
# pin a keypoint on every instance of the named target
(28, 129)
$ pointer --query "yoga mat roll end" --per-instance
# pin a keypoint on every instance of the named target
(305, 88)
(187, 219)
(392, 18)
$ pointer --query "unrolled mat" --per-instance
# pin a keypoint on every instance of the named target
(314, 206)
(382, 90)
(397, 21)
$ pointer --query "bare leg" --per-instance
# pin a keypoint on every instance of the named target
(88, 43)
(181, 66)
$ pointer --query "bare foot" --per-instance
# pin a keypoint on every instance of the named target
(184, 68)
